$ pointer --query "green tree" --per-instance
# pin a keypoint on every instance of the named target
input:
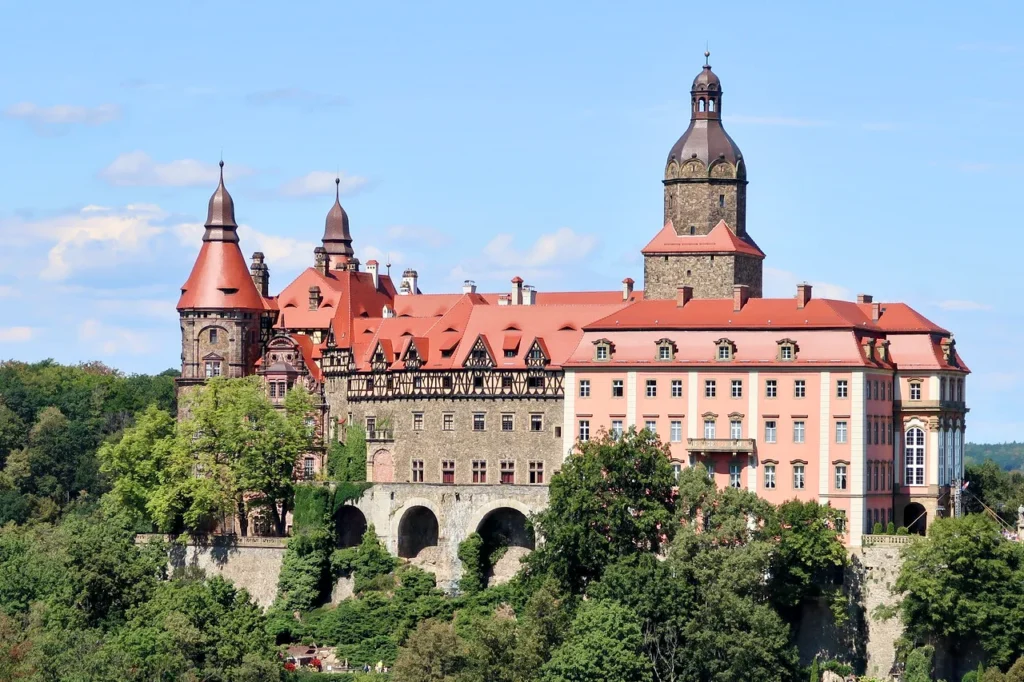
(815, 673)
(12, 432)
(604, 645)
(613, 497)
(919, 664)
(433, 653)
(964, 583)
(137, 464)
(1016, 671)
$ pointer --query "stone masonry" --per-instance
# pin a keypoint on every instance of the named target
(711, 276)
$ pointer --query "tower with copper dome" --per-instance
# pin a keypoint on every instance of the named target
(220, 308)
(705, 187)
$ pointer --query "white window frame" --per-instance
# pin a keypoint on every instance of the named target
(771, 431)
(841, 477)
(913, 456)
(675, 430)
(651, 388)
(842, 388)
(769, 476)
(677, 388)
(771, 388)
(584, 388)
(710, 428)
(799, 477)
(799, 431)
(710, 388)
(616, 429)
(735, 429)
(736, 388)
(842, 431)
(800, 388)
(735, 478)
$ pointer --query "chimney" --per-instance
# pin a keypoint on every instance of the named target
(529, 295)
(803, 295)
(320, 259)
(876, 311)
(260, 274)
(517, 290)
(740, 295)
(371, 267)
(684, 296)
(314, 297)
(410, 277)
(504, 299)
(627, 288)
(863, 298)
(469, 287)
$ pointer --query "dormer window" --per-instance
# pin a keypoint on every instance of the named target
(666, 349)
(726, 350)
(603, 349)
(787, 350)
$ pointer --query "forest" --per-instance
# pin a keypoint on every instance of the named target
(641, 576)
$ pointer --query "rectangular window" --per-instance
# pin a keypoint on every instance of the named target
(875, 429)
(448, 421)
(417, 471)
(677, 469)
(735, 429)
(536, 422)
(508, 472)
(371, 424)
(533, 382)
(840, 477)
(769, 476)
(478, 382)
(448, 471)
(616, 428)
(770, 431)
(507, 422)
(664, 353)
(584, 388)
(675, 431)
(798, 476)
(213, 369)
(677, 388)
(273, 389)
(840, 432)
(307, 468)
(709, 428)
(417, 421)
(213, 336)
(877, 476)
(842, 388)
(840, 520)
(915, 391)
(721, 201)
(710, 466)
(479, 471)
(737, 388)
(771, 388)
(616, 388)
(479, 421)
(734, 475)
(874, 390)
(786, 352)
(536, 472)
(602, 352)
(799, 388)
(651, 426)
(710, 388)
(584, 429)
(652, 388)
(724, 352)
(799, 430)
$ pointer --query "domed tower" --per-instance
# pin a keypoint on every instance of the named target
(337, 239)
(705, 208)
(220, 307)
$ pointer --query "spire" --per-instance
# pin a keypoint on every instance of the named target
(337, 238)
(220, 217)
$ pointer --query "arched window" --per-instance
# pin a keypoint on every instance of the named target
(700, 104)
(942, 458)
(942, 389)
(711, 104)
(947, 436)
(914, 457)
(958, 452)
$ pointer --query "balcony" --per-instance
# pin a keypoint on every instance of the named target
(732, 446)
(380, 436)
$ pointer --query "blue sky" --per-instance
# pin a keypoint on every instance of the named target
(484, 140)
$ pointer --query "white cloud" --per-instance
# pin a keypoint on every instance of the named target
(426, 235)
(778, 121)
(108, 339)
(280, 252)
(782, 284)
(319, 183)
(547, 257)
(63, 114)
(7, 291)
(963, 305)
(94, 238)
(15, 334)
(138, 169)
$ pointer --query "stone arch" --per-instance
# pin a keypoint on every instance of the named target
(418, 528)
(349, 525)
(478, 515)
(673, 170)
(722, 169)
(382, 463)
(693, 168)
(915, 517)
(506, 526)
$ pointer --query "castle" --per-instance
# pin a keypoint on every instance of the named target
(472, 400)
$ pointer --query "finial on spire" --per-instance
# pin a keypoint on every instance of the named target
(707, 55)
(222, 170)
(337, 188)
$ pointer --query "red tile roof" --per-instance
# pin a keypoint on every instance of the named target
(220, 279)
(720, 240)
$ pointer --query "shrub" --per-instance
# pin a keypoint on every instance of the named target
(474, 570)
(891, 528)
(919, 665)
(902, 530)
(877, 529)
(312, 508)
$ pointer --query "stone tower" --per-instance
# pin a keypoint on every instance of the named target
(221, 310)
(704, 243)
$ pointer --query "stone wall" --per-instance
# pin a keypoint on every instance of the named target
(431, 444)
(702, 204)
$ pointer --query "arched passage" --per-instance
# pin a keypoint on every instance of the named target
(416, 530)
(915, 518)
(349, 526)
(506, 526)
